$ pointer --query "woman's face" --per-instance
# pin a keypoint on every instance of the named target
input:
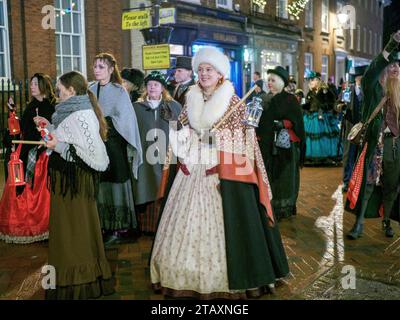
(102, 71)
(273, 84)
(394, 70)
(154, 90)
(35, 91)
(208, 75)
(127, 85)
(63, 92)
(313, 84)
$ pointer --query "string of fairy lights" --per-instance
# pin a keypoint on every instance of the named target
(294, 9)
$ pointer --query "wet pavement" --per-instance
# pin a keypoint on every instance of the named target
(323, 263)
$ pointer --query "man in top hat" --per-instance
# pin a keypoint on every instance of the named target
(183, 78)
(351, 102)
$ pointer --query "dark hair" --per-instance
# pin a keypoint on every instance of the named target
(45, 86)
(78, 81)
(257, 73)
(109, 59)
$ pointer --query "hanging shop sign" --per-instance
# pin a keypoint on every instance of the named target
(156, 57)
(136, 20)
(167, 15)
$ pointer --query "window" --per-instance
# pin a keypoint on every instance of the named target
(4, 41)
(269, 60)
(257, 8)
(309, 15)
(70, 36)
(325, 15)
(281, 10)
(225, 4)
(192, 1)
(325, 68)
(365, 41)
(370, 42)
(308, 61)
(351, 35)
(358, 38)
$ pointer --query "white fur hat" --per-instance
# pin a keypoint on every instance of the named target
(213, 56)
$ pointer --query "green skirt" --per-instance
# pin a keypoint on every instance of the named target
(76, 247)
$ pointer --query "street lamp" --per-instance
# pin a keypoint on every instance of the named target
(342, 17)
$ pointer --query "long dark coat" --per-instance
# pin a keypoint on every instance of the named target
(145, 188)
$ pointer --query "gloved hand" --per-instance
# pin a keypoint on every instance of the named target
(180, 141)
(278, 125)
(393, 42)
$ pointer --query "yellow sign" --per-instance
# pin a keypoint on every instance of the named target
(136, 20)
(156, 57)
(167, 15)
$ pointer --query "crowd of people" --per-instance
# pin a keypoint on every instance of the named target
(132, 154)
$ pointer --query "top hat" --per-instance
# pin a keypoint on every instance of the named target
(184, 62)
(281, 72)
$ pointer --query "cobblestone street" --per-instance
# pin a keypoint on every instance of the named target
(314, 240)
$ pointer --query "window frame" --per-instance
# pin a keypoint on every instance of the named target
(309, 15)
(325, 24)
(311, 64)
(324, 64)
(82, 42)
(228, 6)
(6, 44)
(279, 10)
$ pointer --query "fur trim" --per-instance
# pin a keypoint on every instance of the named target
(203, 114)
(213, 56)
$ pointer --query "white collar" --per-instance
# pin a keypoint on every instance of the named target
(203, 114)
(154, 103)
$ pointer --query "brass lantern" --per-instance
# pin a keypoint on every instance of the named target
(253, 113)
(16, 171)
(13, 124)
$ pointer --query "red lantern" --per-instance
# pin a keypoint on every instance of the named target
(13, 124)
(16, 171)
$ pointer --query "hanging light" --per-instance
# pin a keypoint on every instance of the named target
(15, 171)
(253, 112)
(13, 124)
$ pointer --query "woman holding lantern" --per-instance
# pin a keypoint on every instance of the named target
(79, 155)
(217, 236)
(282, 116)
(24, 210)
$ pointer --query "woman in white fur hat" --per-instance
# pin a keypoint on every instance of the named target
(217, 237)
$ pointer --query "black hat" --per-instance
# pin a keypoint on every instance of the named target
(156, 76)
(281, 72)
(184, 62)
(133, 75)
(359, 71)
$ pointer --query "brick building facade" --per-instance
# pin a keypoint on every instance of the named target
(83, 29)
(255, 38)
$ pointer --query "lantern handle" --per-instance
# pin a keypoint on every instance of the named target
(41, 143)
(233, 109)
